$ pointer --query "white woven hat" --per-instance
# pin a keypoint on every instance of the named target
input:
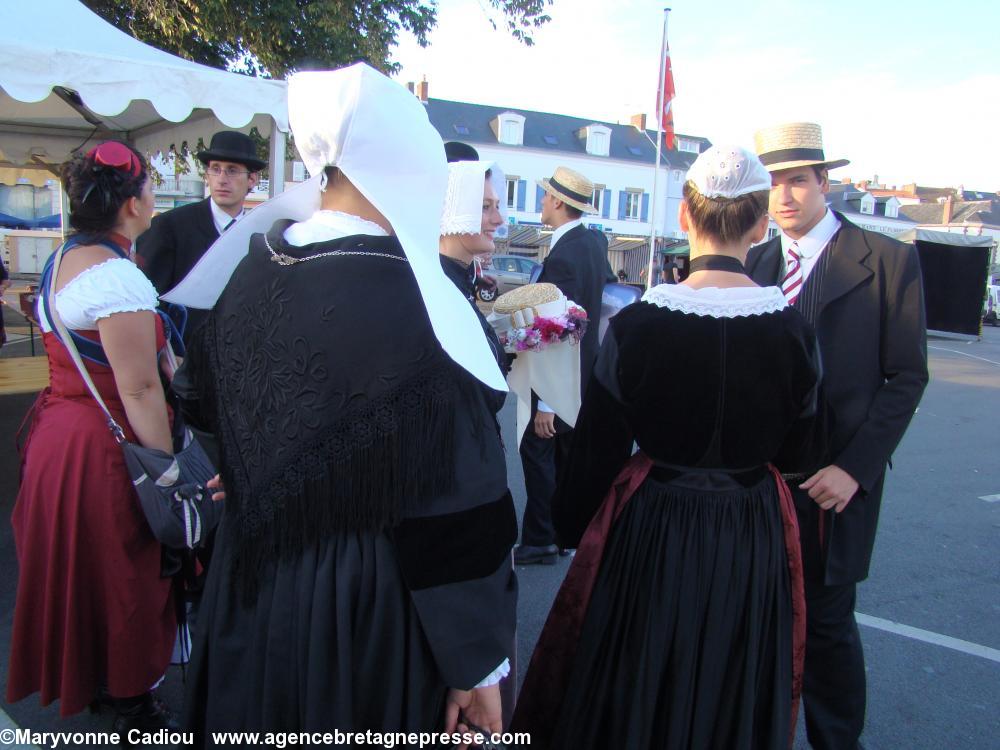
(377, 133)
(463, 202)
(793, 144)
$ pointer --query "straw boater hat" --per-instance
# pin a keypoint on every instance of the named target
(794, 144)
(572, 188)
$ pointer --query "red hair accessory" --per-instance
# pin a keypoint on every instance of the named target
(117, 156)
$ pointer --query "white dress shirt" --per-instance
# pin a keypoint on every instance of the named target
(556, 236)
(221, 218)
(811, 244)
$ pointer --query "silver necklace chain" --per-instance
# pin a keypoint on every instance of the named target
(287, 260)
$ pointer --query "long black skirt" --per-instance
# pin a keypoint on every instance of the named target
(331, 642)
(687, 641)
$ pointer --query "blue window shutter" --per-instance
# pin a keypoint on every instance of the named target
(606, 204)
(645, 207)
(622, 198)
(521, 189)
(538, 198)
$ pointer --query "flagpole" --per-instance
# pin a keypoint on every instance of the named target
(659, 145)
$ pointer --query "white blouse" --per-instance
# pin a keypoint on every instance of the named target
(114, 286)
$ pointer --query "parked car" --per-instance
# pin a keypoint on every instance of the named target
(507, 272)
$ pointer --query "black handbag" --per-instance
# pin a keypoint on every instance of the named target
(171, 489)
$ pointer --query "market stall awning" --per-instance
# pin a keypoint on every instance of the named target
(68, 78)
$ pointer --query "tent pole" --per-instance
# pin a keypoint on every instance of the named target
(276, 167)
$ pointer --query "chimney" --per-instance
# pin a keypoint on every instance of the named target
(949, 205)
(410, 86)
(422, 88)
(639, 121)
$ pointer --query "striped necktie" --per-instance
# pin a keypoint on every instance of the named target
(791, 285)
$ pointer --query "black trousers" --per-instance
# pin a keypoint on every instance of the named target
(834, 688)
(540, 460)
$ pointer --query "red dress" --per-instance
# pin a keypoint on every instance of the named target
(91, 607)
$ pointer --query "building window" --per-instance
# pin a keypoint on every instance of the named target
(598, 139)
(685, 144)
(633, 205)
(510, 128)
(511, 192)
(892, 210)
(868, 206)
(597, 197)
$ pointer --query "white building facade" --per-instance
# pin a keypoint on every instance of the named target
(617, 158)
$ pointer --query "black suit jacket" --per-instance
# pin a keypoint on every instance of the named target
(174, 242)
(872, 335)
(578, 265)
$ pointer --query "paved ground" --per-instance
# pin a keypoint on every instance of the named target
(931, 607)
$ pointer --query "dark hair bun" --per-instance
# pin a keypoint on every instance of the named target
(98, 191)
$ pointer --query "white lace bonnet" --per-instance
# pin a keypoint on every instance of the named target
(728, 172)
(463, 201)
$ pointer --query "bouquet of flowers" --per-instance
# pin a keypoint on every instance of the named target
(543, 332)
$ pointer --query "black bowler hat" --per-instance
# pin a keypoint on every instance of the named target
(230, 145)
(458, 151)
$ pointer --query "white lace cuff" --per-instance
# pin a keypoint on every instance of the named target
(496, 675)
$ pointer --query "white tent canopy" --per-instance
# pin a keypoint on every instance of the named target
(67, 78)
(945, 238)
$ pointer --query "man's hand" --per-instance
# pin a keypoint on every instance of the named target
(545, 424)
(831, 487)
(479, 706)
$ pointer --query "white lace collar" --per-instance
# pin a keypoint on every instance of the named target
(714, 302)
(324, 226)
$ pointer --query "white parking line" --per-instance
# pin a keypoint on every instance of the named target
(956, 644)
(964, 354)
(990, 498)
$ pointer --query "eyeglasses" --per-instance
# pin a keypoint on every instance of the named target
(218, 171)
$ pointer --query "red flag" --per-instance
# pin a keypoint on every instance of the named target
(666, 99)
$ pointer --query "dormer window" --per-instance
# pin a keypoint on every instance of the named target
(868, 204)
(510, 129)
(598, 139)
(688, 145)
(892, 208)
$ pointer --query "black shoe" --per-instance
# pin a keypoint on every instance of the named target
(147, 713)
(526, 554)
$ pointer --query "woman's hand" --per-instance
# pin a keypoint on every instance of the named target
(479, 706)
(215, 483)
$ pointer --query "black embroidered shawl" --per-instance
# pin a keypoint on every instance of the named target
(336, 408)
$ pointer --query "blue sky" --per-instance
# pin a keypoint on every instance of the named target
(909, 91)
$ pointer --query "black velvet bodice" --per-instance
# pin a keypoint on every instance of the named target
(723, 393)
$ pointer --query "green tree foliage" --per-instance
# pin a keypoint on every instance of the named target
(276, 37)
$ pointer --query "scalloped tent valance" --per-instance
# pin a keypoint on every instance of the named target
(67, 77)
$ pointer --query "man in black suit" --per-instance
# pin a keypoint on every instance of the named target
(862, 292)
(578, 264)
(177, 239)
